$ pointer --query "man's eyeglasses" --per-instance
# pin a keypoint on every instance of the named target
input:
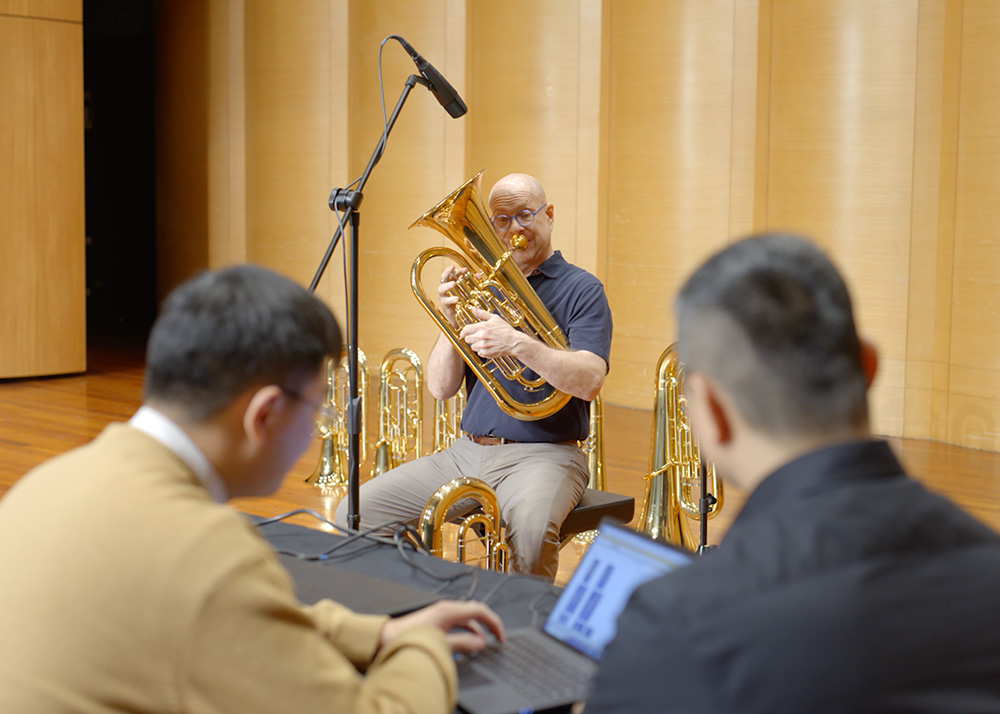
(326, 415)
(524, 218)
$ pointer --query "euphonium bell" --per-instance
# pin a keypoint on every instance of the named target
(674, 463)
(494, 283)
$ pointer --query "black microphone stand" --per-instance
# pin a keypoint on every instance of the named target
(704, 508)
(348, 201)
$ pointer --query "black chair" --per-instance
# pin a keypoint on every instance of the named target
(593, 506)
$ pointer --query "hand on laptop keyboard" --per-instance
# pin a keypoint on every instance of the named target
(474, 620)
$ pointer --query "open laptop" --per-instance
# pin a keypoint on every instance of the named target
(362, 593)
(543, 669)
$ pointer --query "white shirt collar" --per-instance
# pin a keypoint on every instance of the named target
(151, 422)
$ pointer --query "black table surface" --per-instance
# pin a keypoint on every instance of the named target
(519, 600)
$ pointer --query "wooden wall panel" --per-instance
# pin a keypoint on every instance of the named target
(226, 149)
(296, 104)
(288, 102)
(183, 120)
(974, 406)
(672, 121)
(42, 287)
(65, 10)
(240, 175)
(840, 161)
(933, 217)
(534, 98)
(661, 132)
(420, 165)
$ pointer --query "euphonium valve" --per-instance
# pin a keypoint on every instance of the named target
(491, 282)
(674, 463)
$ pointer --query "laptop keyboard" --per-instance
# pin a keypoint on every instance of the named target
(534, 673)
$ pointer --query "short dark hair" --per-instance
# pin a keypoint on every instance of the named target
(770, 319)
(226, 331)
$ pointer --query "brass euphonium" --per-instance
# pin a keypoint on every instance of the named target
(673, 484)
(332, 467)
(488, 519)
(401, 408)
(494, 283)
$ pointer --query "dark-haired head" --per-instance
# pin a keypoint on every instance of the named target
(769, 318)
(227, 331)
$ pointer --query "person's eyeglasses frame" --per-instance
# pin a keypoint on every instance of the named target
(326, 415)
(517, 217)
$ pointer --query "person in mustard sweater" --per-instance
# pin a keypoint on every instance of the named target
(128, 587)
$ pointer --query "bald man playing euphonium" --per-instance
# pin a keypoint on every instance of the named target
(536, 467)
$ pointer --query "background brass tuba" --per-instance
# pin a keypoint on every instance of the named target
(332, 467)
(448, 420)
(673, 484)
(593, 446)
(401, 409)
(593, 449)
(500, 288)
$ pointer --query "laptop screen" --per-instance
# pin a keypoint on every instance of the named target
(618, 561)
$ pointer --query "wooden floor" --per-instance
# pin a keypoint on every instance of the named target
(40, 418)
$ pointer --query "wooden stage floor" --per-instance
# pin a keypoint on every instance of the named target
(42, 417)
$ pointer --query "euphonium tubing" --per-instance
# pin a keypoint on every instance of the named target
(436, 511)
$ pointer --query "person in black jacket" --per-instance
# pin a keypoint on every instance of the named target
(843, 585)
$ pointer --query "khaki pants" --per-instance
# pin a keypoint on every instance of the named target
(537, 485)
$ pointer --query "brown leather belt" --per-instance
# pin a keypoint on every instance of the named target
(498, 440)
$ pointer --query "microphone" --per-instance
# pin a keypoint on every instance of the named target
(445, 93)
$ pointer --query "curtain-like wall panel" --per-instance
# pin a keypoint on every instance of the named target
(294, 128)
(928, 329)
(974, 379)
(661, 130)
(418, 167)
(534, 96)
(672, 120)
(840, 159)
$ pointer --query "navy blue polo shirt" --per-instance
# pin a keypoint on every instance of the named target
(576, 300)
